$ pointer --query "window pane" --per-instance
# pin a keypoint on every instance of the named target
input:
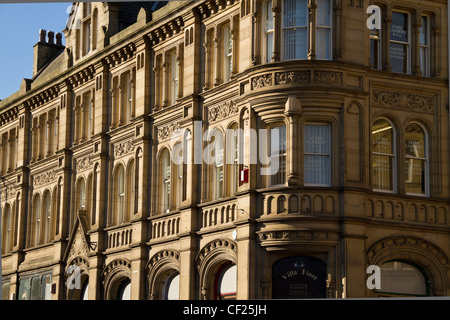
(398, 57)
(36, 288)
(323, 43)
(415, 141)
(323, 13)
(24, 289)
(399, 27)
(382, 172)
(402, 278)
(295, 13)
(295, 43)
(317, 149)
(415, 176)
(382, 137)
(423, 38)
(375, 48)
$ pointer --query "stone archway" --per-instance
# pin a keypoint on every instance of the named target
(160, 267)
(422, 253)
(209, 260)
(113, 276)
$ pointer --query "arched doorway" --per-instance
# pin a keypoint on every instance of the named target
(225, 282)
(298, 277)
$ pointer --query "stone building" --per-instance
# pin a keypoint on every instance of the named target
(355, 122)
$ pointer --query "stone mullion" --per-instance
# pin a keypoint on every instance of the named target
(416, 47)
(276, 9)
(217, 61)
(312, 7)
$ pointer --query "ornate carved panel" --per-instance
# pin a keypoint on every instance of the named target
(123, 148)
(402, 100)
(222, 111)
(84, 163)
(262, 81)
(44, 178)
(165, 133)
(293, 77)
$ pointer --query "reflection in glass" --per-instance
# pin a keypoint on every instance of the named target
(399, 42)
(416, 159)
(382, 155)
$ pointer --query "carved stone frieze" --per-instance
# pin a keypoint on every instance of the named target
(328, 77)
(123, 148)
(7, 193)
(166, 132)
(293, 235)
(222, 111)
(216, 245)
(402, 100)
(262, 81)
(292, 77)
(84, 163)
(44, 178)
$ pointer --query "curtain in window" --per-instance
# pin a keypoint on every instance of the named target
(278, 154)
(295, 29)
(382, 155)
(323, 29)
(268, 30)
(317, 151)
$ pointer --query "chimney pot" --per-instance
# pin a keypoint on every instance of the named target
(59, 39)
(42, 34)
(51, 36)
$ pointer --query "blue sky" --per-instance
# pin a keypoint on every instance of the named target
(19, 32)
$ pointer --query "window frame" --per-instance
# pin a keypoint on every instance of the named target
(426, 177)
(329, 155)
(409, 43)
(282, 33)
(427, 47)
(393, 157)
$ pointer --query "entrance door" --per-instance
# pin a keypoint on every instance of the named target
(298, 277)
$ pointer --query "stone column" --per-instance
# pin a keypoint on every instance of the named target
(276, 9)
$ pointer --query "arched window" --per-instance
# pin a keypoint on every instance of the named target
(120, 194)
(383, 155)
(81, 193)
(36, 229)
(131, 192)
(402, 279)
(165, 174)
(94, 29)
(46, 216)
(232, 157)
(179, 166)
(226, 282)
(215, 151)
(6, 233)
(416, 159)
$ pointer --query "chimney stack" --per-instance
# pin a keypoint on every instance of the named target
(45, 51)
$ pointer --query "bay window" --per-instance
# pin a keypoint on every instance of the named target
(323, 29)
(278, 152)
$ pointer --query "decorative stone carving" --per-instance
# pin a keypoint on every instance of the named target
(402, 100)
(165, 254)
(166, 132)
(80, 247)
(296, 235)
(292, 77)
(215, 245)
(123, 148)
(328, 77)
(222, 111)
(262, 81)
(7, 193)
(44, 178)
(406, 244)
(84, 163)
(246, 116)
